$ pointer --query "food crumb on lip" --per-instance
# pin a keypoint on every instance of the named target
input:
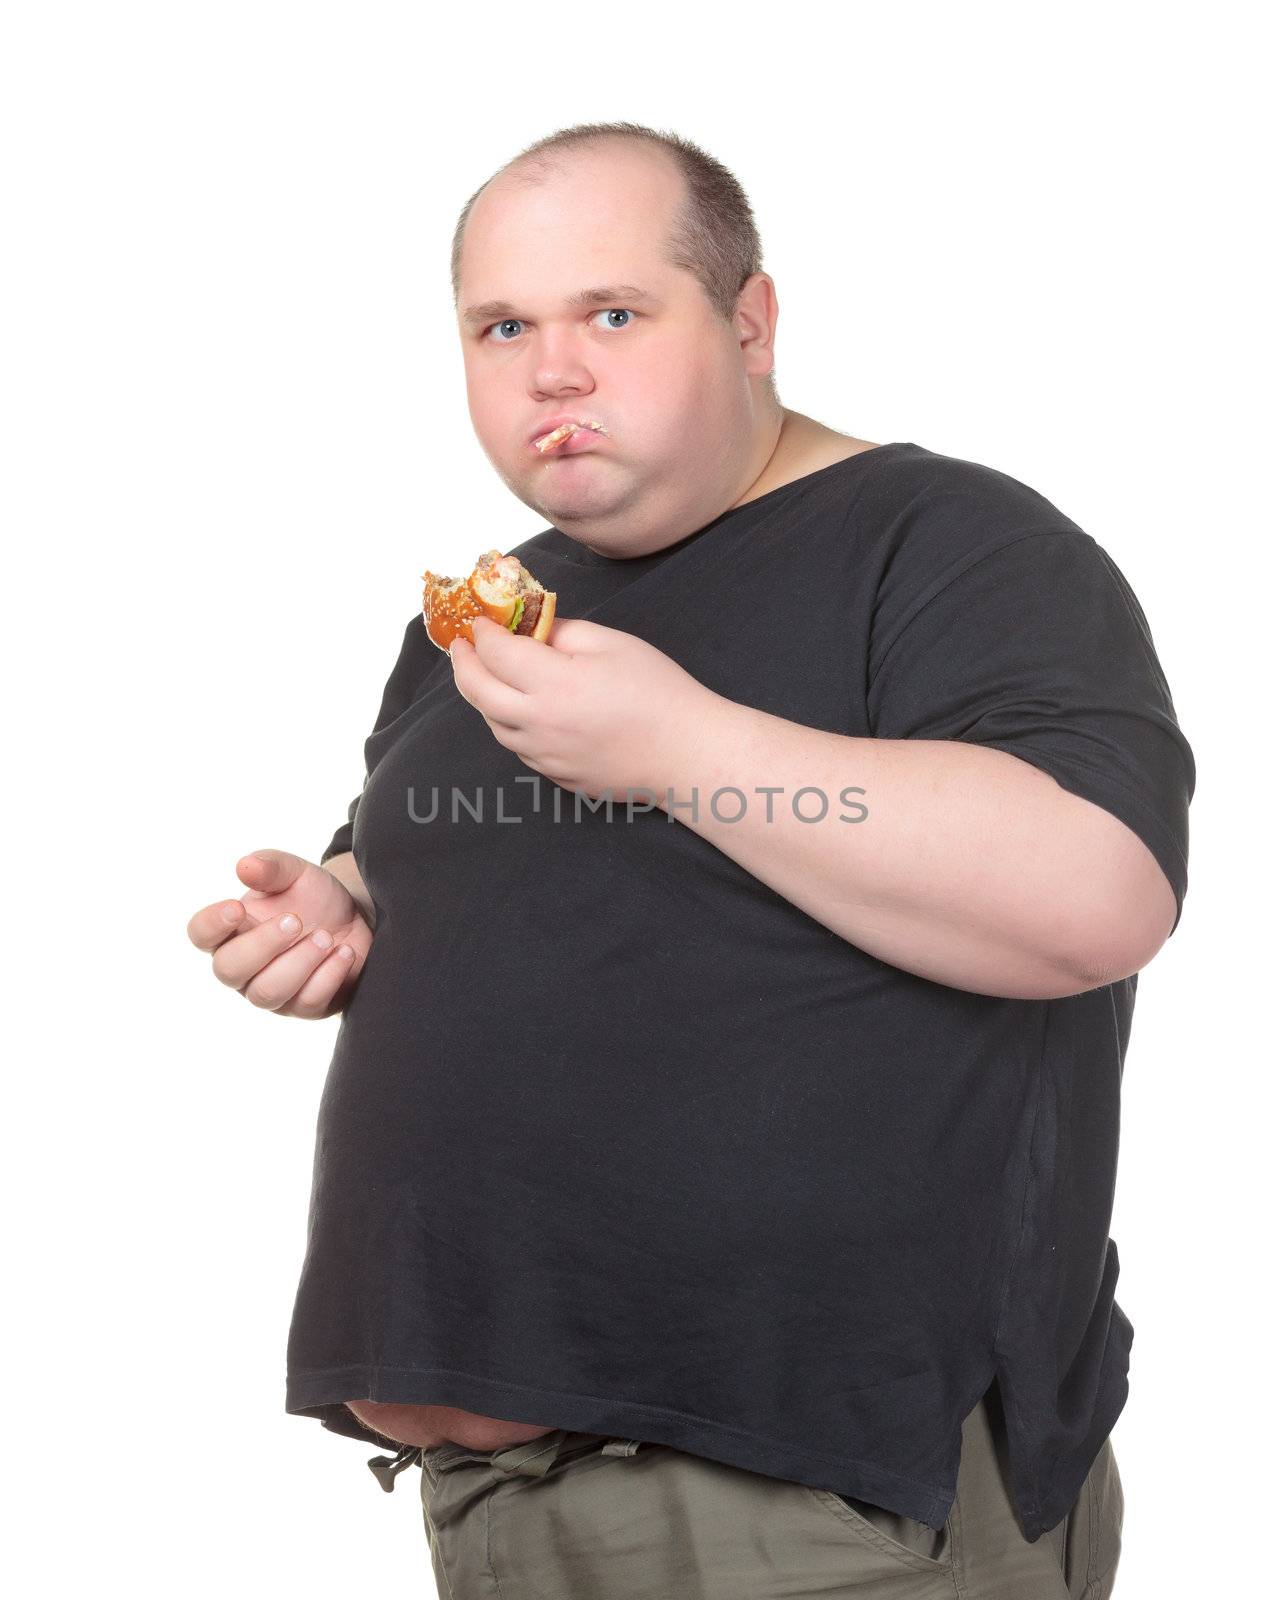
(564, 431)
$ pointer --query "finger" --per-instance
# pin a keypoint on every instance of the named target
(518, 659)
(480, 688)
(577, 636)
(237, 962)
(316, 996)
(270, 871)
(277, 983)
(209, 928)
(516, 740)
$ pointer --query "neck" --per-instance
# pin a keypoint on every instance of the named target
(792, 445)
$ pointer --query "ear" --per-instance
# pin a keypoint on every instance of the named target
(756, 313)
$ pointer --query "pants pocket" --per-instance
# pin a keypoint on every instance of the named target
(1094, 1530)
(911, 1537)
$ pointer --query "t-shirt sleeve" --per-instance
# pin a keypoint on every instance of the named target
(1040, 648)
(341, 839)
(416, 657)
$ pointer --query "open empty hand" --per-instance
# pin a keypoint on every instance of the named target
(294, 941)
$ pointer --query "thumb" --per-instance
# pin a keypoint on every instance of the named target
(270, 871)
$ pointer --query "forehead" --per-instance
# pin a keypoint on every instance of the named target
(590, 223)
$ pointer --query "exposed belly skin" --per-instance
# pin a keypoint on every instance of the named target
(430, 1426)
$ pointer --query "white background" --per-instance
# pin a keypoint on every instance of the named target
(235, 432)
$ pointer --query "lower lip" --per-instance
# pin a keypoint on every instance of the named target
(581, 439)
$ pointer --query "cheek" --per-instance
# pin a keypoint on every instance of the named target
(672, 401)
(681, 378)
(482, 406)
(708, 387)
(487, 402)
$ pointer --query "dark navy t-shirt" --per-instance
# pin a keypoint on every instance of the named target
(616, 1139)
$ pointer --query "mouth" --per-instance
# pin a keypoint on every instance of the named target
(570, 435)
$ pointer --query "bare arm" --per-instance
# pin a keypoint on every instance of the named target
(970, 868)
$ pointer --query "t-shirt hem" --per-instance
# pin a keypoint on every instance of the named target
(1039, 1511)
(1041, 1516)
(314, 1393)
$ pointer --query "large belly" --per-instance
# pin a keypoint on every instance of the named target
(432, 1425)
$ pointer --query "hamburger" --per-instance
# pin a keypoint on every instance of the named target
(499, 587)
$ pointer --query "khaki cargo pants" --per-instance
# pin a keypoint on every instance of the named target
(580, 1516)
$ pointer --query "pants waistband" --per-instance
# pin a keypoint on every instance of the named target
(532, 1459)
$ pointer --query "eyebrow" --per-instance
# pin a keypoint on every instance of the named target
(615, 294)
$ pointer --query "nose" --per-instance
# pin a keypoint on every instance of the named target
(561, 368)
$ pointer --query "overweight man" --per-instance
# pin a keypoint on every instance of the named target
(714, 1171)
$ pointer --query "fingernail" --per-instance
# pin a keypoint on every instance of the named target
(232, 911)
(322, 939)
(289, 923)
(345, 950)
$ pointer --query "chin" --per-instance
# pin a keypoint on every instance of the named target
(577, 499)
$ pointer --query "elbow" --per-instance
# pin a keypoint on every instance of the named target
(1118, 907)
(1126, 912)
(1089, 975)
(1130, 944)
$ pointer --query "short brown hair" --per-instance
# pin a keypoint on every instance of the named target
(713, 236)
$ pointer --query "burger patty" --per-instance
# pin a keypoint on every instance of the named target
(532, 610)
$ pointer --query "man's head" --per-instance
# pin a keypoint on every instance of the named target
(680, 378)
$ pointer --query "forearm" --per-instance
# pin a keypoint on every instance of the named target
(970, 868)
(344, 867)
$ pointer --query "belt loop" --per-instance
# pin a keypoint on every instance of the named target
(385, 1468)
(533, 1459)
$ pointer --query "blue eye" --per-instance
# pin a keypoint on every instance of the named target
(514, 322)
